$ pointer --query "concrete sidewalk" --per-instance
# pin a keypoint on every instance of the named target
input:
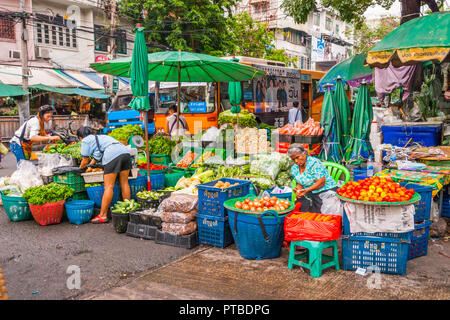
(211, 273)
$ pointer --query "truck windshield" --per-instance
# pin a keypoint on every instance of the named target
(121, 102)
(193, 99)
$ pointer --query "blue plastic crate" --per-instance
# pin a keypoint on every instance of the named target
(445, 208)
(79, 211)
(423, 207)
(400, 135)
(211, 199)
(214, 231)
(96, 193)
(419, 240)
(388, 255)
(157, 181)
(137, 185)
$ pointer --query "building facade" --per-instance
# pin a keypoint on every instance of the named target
(62, 34)
(318, 44)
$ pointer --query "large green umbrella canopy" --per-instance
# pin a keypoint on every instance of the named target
(359, 148)
(11, 91)
(344, 116)
(235, 94)
(331, 147)
(350, 70)
(418, 40)
(194, 67)
(139, 85)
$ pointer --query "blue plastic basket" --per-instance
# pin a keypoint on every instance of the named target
(445, 208)
(137, 185)
(96, 193)
(157, 181)
(249, 237)
(214, 231)
(211, 199)
(399, 136)
(423, 207)
(419, 240)
(79, 211)
(385, 254)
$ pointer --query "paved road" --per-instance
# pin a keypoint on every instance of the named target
(35, 258)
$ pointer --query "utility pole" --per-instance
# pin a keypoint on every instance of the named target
(112, 42)
(24, 106)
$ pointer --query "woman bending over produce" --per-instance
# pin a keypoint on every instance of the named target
(115, 159)
(312, 179)
(32, 131)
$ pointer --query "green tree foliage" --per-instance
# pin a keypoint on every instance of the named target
(367, 36)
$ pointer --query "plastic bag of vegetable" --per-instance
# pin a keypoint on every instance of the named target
(179, 228)
(179, 203)
(178, 217)
(284, 179)
(263, 182)
(26, 176)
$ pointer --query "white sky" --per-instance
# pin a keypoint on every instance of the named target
(377, 11)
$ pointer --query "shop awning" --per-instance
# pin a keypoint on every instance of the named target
(12, 75)
(98, 94)
(85, 81)
(98, 78)
(11, 91)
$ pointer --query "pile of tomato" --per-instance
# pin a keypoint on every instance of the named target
(263, 204)
(375, 189)
(153, 166)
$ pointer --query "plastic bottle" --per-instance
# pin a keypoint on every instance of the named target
(370, 167)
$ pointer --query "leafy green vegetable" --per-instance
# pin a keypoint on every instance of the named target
(263, 182)
(284, 179)
(246, 119)
(161, 145)
(125, 206)
(73, 150)
(124, 133)
(149, 195)
(89, 185)
(43, 194)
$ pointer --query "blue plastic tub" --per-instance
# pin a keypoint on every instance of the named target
(214, 231)
(211, 199)
(383, 254)
(398, 136)
(79, 211)
(96, 193)
(254, 242)
(419, 240)
(137, 185)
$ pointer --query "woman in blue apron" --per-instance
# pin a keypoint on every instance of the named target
(116, 161)
(33, 130)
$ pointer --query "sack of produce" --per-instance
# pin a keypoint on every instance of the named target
(312, 226)
(178, 217)
(179, 203)
(179, 228)
(26, 176)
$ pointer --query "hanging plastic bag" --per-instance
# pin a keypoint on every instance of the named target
(3, 149)
(331, 204)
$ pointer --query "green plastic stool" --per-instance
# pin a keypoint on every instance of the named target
(314, 250)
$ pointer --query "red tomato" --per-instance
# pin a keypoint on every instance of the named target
(238, 205)
(245, 206)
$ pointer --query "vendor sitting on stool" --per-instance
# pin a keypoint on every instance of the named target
(116, 160)
(312, 179)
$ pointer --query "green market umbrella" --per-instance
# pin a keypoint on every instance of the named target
(235, 96)
(351, 70)
(359, 148)
(139, 85)
(421, 39)
(180, 66)
(344, 116)
(331, 147)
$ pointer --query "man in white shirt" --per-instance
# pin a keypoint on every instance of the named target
(295, 113)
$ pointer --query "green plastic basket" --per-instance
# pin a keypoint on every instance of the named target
(68, 178)
(230, 204)
(76, 186)
(171, 179)
(16, 208)
(415, 198)
(80, 196)
(160, 159)
(143, 172)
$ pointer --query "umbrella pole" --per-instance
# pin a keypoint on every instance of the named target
(149, 184)
(178, 100)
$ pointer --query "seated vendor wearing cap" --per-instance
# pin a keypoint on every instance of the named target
(312, 179)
